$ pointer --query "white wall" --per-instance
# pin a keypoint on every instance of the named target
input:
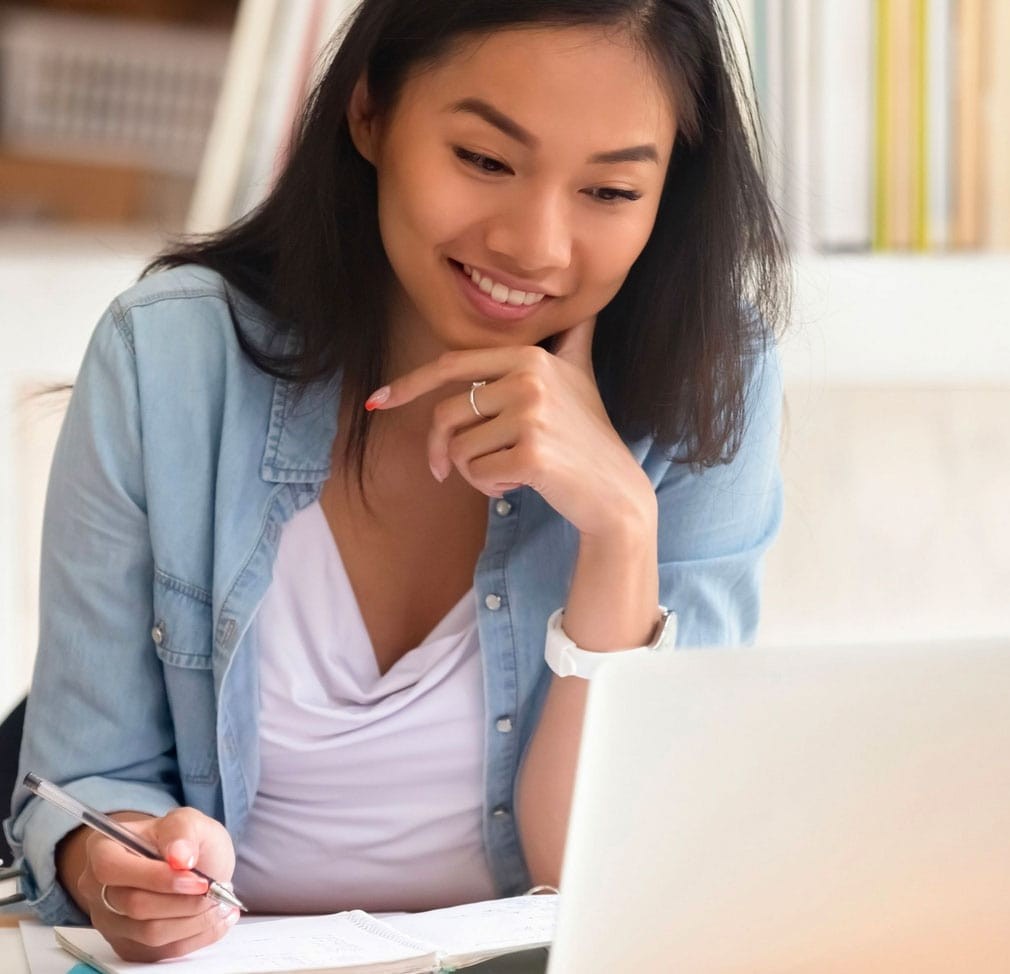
(53, 288)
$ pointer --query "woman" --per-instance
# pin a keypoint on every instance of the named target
(496, 345)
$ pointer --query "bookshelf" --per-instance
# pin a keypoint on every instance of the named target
(105, 106)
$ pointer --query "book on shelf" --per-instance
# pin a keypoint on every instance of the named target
(353, 942)
(899, 204)
(276, 55)
(996, 190)
(967, 211)
(799, 78)
(939, 117)
(843, 140)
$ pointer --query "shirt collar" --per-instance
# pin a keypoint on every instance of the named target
(303, 425)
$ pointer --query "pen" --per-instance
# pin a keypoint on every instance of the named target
(113, 830)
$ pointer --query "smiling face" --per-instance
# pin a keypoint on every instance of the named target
(518, 179)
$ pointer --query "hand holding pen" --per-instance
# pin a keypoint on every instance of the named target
(139, 882)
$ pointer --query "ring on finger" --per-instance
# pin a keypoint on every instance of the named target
(474, 386)
(105, 901)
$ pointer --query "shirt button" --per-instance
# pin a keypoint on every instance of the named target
(493, 602)
(158, 634)
(503, 508)
(500, 812)
(504, 725)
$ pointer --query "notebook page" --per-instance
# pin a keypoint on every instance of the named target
(484, 929)
(323, 943)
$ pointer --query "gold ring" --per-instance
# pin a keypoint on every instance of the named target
(474, 386)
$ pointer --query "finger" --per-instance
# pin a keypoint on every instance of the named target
(451, 367)
(454, 414)
(500, 471)
(177, 836)
(188, 838)
(150, 941)
(477, 442)
(140, 904)
(112, 865)
(575, 345)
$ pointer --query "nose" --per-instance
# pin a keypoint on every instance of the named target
(533, 233)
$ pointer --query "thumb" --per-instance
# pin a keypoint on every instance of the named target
(575, 345)
(178, 839)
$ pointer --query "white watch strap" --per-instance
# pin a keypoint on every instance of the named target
(565, 658)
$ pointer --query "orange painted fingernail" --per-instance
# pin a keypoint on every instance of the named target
(377, 398)
(179, 855)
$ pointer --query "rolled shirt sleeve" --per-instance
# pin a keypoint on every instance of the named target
(716, 523)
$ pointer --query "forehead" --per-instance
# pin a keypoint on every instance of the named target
(581, 87)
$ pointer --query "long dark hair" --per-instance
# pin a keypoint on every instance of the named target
(672, 351)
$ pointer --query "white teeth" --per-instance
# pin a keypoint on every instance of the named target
(500, 292)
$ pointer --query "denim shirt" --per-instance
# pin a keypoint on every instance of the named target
(176, 468)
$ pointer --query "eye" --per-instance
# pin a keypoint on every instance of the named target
(608, 194)
(480, 161)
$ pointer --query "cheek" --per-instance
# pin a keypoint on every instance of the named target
(610, 255)
(419, 208)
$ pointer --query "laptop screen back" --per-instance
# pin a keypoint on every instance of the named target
(804, 809)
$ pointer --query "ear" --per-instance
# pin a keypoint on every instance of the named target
(362, 121)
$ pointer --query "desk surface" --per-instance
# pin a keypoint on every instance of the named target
(12, 957)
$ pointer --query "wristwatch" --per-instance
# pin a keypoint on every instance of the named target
(567, 659)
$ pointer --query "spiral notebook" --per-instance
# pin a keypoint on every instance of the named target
(354, 942)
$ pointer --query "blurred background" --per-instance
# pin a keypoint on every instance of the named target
(885, 131)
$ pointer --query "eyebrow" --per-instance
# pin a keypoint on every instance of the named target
(511, 128)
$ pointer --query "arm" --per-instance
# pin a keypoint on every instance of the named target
(98, 719)
(712, 529)
(659, 532)
(612, 603)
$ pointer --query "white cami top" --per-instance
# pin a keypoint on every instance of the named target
(371, 786)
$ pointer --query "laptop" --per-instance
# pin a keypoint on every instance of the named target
(822, 810)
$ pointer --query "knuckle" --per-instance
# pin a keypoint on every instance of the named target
(132, 951)
(442, 416)
(535, 358)
(185, 817)
(180, 947)
(532, 385)
(157, 933)
(132, 903)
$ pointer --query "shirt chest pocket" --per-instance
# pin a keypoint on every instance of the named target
(182, 635)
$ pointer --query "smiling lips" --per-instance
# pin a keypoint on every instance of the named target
(501, 293)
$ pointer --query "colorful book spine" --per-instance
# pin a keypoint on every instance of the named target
(939, 120)
(968, 34)
(996, 176)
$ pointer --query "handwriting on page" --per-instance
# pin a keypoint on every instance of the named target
(494, 926)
